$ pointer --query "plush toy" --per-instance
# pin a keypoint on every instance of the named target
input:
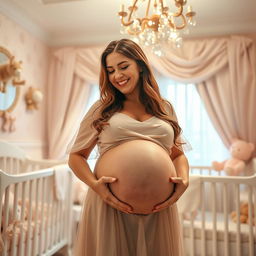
(10, 71)
(243, 214)
(241, 151)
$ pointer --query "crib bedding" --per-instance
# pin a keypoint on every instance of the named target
(220, 228)
(17, 227)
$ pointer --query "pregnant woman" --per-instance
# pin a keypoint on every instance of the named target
(141, 172)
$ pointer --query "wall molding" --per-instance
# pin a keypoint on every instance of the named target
(12, 12)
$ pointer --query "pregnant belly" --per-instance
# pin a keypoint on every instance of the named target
(142, 169)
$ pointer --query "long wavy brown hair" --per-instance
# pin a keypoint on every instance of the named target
(112, 100)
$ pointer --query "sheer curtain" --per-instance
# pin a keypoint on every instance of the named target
(197, 127)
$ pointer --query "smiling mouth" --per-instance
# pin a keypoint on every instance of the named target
(122, 83)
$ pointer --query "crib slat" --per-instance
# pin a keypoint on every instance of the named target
(50, 216)
(47, 217)
(238, 229)
(58, 221)
(203, 240)
(42, 217)
(214, 219)
(6, 219)
(226, 230)
(36, 228)
(14, 220)
(250, 216)
(22, 231)
(28, 244)
(52, 225)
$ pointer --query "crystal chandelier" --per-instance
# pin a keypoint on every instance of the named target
(159, 25)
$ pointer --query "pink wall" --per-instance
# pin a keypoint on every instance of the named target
(30, 125)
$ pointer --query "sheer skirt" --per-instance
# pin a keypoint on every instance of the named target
(105, 231)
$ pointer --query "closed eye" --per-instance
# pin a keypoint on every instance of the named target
(122, 68)
(125, 67)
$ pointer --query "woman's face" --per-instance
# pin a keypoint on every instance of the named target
(123, 73)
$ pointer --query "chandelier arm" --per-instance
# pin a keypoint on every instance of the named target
(179, 12)
(144, 22)
(126, 23)
(131, 12)
(184, 23)
(148, 7)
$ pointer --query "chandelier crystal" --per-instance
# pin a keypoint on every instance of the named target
(159, 24)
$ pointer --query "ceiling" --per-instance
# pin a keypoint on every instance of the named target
(76, 22)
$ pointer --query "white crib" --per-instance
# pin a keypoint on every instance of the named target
(14, 160)
(33, 221)
(210, 230)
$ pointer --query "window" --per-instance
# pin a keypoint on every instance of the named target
(196, 125)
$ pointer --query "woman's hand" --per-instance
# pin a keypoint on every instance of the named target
(101, 188)
(180, 187)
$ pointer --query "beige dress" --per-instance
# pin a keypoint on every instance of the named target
(105, 231)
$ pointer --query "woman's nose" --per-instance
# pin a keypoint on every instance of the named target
(118, 74)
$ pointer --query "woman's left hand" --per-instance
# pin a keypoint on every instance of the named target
(180, 187)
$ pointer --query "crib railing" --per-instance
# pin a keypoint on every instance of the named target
(14, 160)
(15, 165)
(211, 231)
(33, 221)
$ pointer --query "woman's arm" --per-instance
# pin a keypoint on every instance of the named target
(78, 163)
(181, 164)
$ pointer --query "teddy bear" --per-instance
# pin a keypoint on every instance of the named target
(241, 151)
(243, 214)
(10, 71)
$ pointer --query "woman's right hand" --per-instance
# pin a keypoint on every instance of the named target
(101, 188)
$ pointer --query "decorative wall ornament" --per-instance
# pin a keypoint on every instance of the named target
(8, 121)
(33, 97)
(10, 71)
(10, 81)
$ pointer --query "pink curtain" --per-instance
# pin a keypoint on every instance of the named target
(223, 69)
(69, 89)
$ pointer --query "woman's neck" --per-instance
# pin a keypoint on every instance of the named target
(133, 97)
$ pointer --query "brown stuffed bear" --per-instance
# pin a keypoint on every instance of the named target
(10, 71)
(244, 214)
